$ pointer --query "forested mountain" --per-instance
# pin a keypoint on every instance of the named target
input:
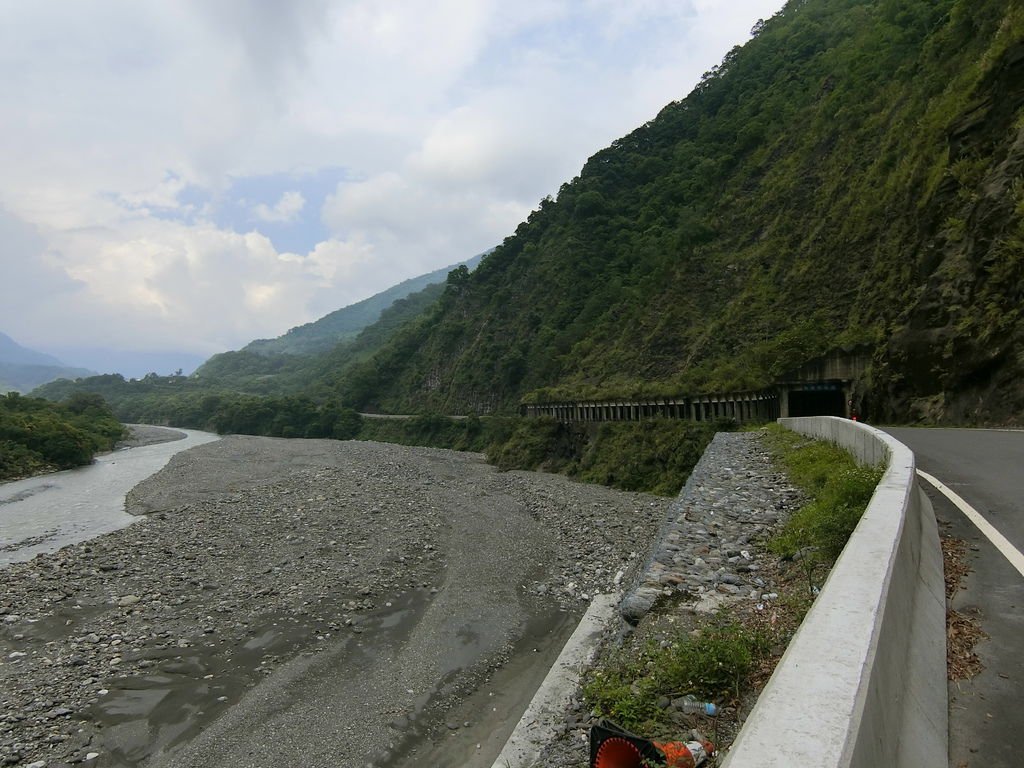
(345, 324)
(276, 373)
(280, 395)
(22, 369)
(12, 352)
(851, 177)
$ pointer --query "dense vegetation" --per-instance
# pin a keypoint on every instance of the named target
(274, 373)
(37, 435)
(838, 491)
(852, 177)
(185, 402)
(654, 456)
(346, 323)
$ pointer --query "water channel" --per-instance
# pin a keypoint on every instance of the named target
(47, 512)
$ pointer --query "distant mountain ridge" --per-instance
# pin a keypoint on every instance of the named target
(12, 352)
(346, 323)
(23, 369)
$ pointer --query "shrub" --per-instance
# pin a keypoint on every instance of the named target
(714, 664)
(839, 492)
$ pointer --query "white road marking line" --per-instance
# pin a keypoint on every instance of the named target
(1007, 549)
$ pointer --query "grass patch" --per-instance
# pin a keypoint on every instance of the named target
(838, 488)
(714, 664)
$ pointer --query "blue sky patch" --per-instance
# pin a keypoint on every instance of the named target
(266, 204)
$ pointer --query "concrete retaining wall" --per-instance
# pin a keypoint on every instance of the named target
(863, 682)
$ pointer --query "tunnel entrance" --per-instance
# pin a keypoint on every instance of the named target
(817, 401)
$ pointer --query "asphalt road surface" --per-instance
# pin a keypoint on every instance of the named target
(986, 469)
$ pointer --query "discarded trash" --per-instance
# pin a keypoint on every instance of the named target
(624, 750)
(616, 752)
(688, 755)
(611, 746)
(691, 706)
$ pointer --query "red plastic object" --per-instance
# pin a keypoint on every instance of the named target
(688, 755)
(618, 753)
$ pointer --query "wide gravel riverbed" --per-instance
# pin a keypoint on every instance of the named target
(307, 602)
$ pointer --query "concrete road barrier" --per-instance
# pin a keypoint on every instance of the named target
(863, 682)
(546, 712)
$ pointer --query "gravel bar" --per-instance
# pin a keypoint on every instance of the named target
(307, 602)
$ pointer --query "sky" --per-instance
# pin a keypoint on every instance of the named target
(183, 176)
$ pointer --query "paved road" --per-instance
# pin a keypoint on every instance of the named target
(985, 468)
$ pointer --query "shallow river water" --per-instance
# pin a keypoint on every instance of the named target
(45, 513)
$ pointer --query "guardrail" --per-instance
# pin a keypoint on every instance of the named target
(863, 682)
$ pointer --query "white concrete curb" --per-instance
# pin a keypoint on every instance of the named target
(863, 682)
(546, 712)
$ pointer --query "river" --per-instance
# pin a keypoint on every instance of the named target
(47, 512)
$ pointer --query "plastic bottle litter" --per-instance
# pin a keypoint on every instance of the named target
(691, 706)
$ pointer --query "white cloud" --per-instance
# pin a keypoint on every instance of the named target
(286, 209)
(451, 120)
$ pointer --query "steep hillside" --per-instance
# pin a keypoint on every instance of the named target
(12, 352)
(850, 177)
(272, 373)
(345, 324)
(23, 369)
